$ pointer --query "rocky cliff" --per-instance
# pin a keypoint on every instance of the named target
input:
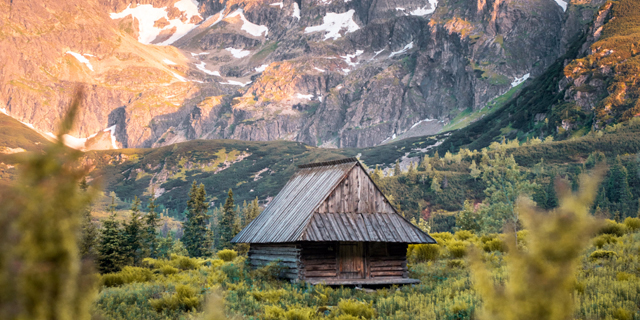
(330, 73)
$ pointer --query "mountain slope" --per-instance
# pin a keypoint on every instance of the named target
(327, 73)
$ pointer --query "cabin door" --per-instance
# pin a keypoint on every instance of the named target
(351, 260)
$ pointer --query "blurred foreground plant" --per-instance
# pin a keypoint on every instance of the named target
(41, 274)
(541, 278)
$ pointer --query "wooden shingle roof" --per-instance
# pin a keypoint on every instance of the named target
(294, 213)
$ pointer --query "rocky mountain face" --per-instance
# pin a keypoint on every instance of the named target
(330, 73)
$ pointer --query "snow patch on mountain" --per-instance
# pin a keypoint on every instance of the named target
(202, 67)
(179, 77)
(251, 28)
(262, 68)
(321, 70)
(350, 57)
(296, 11)
(405, 49)
(147, 16)
(236, 83)
(304, 96)
(562, 4)
(112, 132)
(169, 62)
(277, 4)
(333, 23)
(425, 11)
(82, 59)
(518, 81)
(238, 53)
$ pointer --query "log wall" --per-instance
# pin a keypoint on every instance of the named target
(319, 260)
(288, 256)
(387, 260)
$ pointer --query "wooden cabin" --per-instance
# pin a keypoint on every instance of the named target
(331, 224)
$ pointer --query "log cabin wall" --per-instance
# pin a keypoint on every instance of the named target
(319, 260)
(288, 255)
(356, 194)
(386, 260)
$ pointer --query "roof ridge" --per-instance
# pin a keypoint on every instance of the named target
(328, 163)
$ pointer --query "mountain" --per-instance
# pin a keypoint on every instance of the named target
(329, 73)
(592, 86)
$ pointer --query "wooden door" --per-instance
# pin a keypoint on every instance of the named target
(351, 260)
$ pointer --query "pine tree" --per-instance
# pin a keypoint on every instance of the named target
(475, 172)
(252, 212)
(89, 236)
(551, 196)
(227, 222)
(110, 252)
(377, 175)
(133, 235)
(197, 236)
(396, 169)
(618, 184)
(435, 185)
(151, 221)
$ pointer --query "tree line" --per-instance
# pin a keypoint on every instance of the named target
(204, 230)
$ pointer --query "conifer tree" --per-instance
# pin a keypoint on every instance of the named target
(435, 185)
(197, 236)
(133, 235)
(377, 175)
(424, 162)
(227, 222)
(251, 212)
(551, 196)
(89, 231)
(475, 172)
(396, 169)
(151, 221)
(618, 184)
(110, 251)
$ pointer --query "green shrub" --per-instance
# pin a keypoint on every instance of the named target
(299, 314)
(622, 314)
(624, 276)
(270, 272)
(442, 237)
(602, 254)
(356, 309)
(185, 263)
(603, 239)
(128, 274)
(464, 235)
(227, 255)
(455, 264)
(612, 227)
(633, 224)
(167, 270)
(457, 249)
(495, 244)
(184, 299)
(426, 252)
(273, 313)
(271, 296)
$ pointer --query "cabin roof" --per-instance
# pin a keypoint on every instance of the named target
(290, 216)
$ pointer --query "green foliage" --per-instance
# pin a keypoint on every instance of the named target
(425, 252)
(151, 223)
(357, 309)
(197, 237)
(227, 255)
(457, 249)
(602, 254)
(495, 244)
(133, 236)
(613, 228)
(111, 250)
(41, 275)
(541, 277)
(603, 239)
(184, 298)
(227, 223)
(632, 224)
(128, 274)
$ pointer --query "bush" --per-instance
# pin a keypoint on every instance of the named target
(457, 249)
(495, 244)
(442, 237)
(270, 272)
(184, 299)
(455, 264)
(464, 235)
(426, 252)
(273, 313)
(167, 270)
(126, 275)
(356, 309)
(185, 263)
(227, 255)
(612, 227)
(603, 239)
(633, 224)
(602, 254)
